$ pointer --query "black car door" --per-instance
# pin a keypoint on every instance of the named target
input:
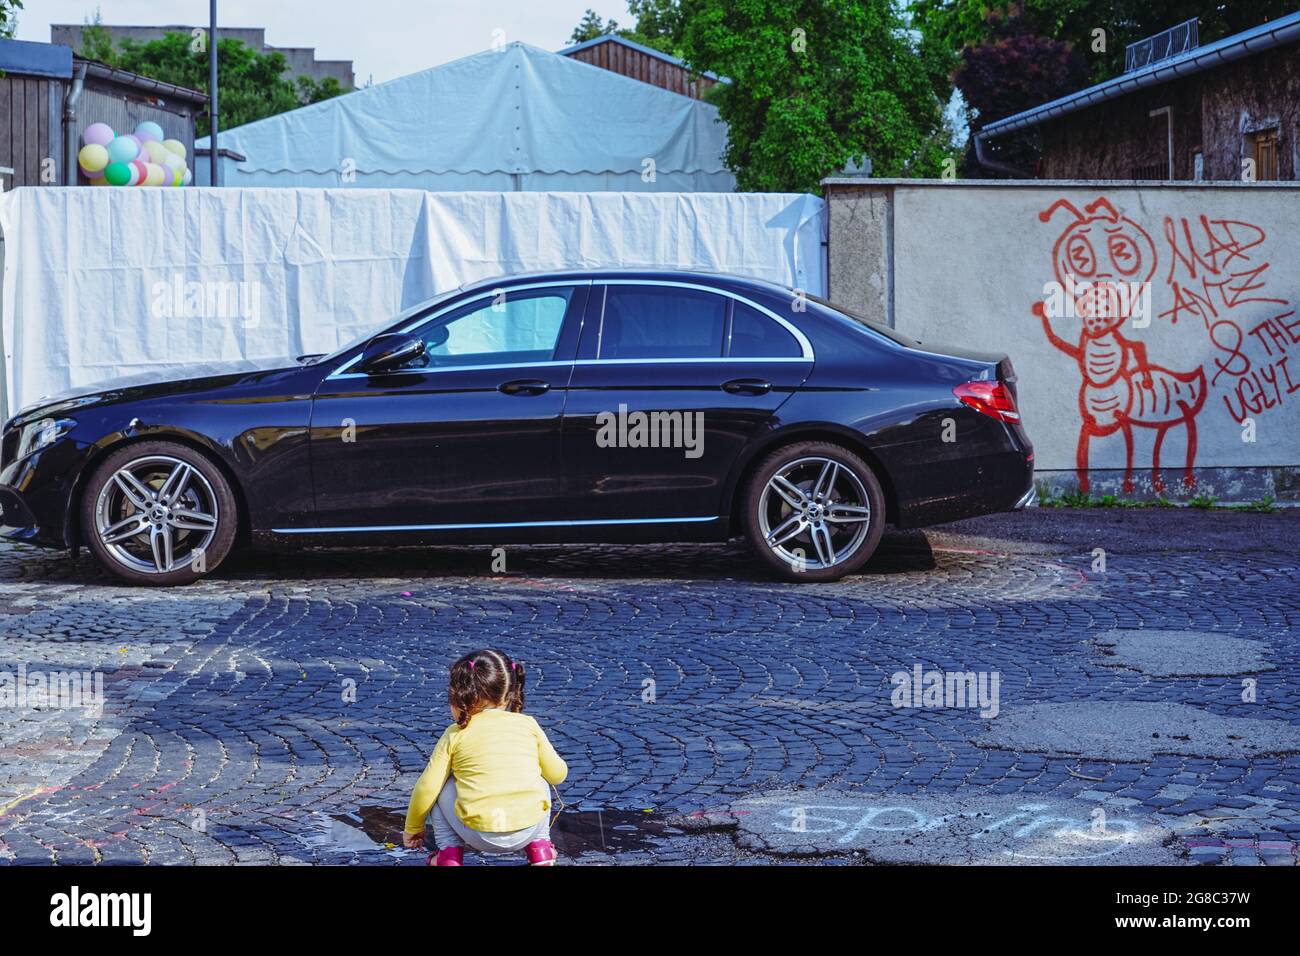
(672, 381)
(466, 436)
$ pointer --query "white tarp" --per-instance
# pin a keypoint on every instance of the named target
(106, 282)
(514, 118)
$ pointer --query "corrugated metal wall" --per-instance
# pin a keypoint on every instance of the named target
(30, 107)
(31, 111)
(123, 110)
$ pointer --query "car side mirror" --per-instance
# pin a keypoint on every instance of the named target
(388, 352)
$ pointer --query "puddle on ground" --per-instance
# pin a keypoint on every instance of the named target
(574, 832)
(381, 824)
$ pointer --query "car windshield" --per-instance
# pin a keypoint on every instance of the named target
(878, 327)
(399, 320)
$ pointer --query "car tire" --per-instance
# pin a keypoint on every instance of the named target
(158, 513)
(813, 511)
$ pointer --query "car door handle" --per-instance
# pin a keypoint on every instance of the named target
(747, 386)
(525, 386)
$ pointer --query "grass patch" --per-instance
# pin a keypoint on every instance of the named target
(1203, 502)
(1261, 506)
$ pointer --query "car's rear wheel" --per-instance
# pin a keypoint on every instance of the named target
(160, 513)
(814, 511)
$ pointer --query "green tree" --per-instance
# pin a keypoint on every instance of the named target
(592, 26)
(96, 42)
(813, 86)
(314, 91)
(659, 25)
(9, 17)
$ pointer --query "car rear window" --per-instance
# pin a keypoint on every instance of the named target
(754, 335)
(861, 321)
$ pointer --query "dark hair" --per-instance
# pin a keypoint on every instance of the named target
(483, 679)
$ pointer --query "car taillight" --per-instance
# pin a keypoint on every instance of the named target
(994, 399)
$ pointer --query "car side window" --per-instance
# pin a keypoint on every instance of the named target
(754, 335)
(661, 322)
(503, 329)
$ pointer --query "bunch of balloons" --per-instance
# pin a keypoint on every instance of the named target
(142, 158)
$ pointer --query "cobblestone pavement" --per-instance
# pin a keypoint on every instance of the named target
(280, 712)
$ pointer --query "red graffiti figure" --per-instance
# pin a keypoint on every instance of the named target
(1121, 388)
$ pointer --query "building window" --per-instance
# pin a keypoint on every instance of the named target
(1264, 151)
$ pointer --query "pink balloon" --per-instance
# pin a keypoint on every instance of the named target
(98, 134)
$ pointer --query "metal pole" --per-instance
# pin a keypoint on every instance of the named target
(214, 176)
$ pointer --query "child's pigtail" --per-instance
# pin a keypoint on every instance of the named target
(515, 698)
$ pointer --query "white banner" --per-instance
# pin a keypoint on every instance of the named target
(104, 282)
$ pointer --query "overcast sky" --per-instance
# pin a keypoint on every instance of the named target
(384, 38)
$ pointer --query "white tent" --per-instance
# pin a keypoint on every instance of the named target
(510, 119)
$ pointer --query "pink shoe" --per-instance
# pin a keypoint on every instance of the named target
(450, 856)
(541, 853)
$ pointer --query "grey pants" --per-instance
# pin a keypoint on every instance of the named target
(450, 830)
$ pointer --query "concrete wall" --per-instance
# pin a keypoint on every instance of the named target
(964, 263)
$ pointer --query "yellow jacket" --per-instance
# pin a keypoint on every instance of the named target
(502, 763)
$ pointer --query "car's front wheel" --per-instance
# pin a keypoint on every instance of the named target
(158, 512)
(814, 511)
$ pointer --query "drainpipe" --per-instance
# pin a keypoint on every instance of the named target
(69, 124)
(993, 165)
(1167, 113)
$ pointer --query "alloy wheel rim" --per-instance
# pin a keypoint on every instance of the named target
(814, 513)
(156, 513)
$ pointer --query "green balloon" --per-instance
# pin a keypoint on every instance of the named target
(117, 174)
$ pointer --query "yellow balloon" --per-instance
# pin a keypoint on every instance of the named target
(156, 176)
(93, 157)
(155, 150)
(174, 146)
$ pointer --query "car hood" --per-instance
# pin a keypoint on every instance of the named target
(192, 374)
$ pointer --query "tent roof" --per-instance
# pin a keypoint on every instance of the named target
(516, 109)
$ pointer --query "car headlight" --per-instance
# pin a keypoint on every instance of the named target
(41, 434)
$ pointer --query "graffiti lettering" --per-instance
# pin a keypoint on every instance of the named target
(1225, 240)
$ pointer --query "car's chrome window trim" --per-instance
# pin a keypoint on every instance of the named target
(452, 368)
(804, 345)
(342, 370)
(495, 524)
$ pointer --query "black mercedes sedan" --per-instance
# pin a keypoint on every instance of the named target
(600, 406)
